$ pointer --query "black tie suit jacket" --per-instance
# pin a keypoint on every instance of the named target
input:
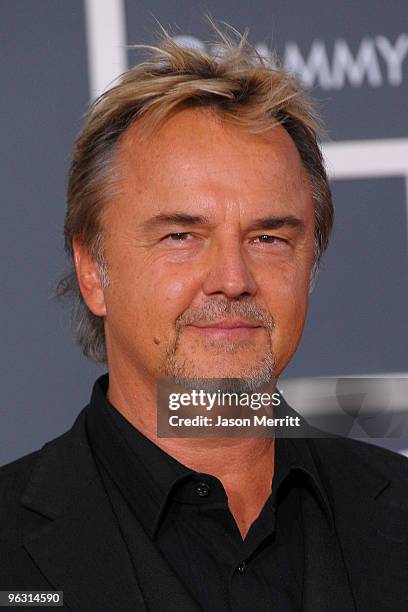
(58, 531)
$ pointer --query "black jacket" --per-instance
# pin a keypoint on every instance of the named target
(58, 531)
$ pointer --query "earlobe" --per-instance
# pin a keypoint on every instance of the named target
(88, 276)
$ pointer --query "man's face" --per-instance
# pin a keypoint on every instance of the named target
(209, 248)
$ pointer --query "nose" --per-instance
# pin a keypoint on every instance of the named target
(229, 273)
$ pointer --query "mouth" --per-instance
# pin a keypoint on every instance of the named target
(228, 329)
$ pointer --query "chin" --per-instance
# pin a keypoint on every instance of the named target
(246, 377)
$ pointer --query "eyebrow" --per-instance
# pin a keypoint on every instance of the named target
(174, 218)
(277, 222)
(179, 218)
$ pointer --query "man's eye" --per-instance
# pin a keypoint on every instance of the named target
(266, 238)
(177, 236)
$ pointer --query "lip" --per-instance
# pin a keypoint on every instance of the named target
(228, 330)
(226, 324)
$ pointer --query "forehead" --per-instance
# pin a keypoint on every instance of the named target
(196, 155)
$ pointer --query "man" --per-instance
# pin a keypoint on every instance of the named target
(198, 210)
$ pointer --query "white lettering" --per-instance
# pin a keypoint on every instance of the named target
(393, 56)
(345, 67)
(316, 67)
(365, 64)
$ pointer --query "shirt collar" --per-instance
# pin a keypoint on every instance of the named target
(300, 455)
(147, 476)
(143, 472)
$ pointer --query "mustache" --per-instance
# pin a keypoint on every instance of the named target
(216, 310)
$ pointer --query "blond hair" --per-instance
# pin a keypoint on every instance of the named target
(238, 83)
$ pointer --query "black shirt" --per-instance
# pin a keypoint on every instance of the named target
(187, 517)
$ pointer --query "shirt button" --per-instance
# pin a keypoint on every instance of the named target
(242, 568)
(202, 489)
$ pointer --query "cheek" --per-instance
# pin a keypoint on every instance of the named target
(290, 322)
(288, 301)
(152, 297)
(173, 294)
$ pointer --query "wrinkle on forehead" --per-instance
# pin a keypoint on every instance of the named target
(216, 164)
(195, 132)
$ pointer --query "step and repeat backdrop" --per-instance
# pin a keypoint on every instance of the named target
(56, 56)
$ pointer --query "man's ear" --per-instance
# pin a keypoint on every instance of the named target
(88, 278)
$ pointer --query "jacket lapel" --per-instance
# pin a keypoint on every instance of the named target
(326, 582)
(79, 550)
(371, 520)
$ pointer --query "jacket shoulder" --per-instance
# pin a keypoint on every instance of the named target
(14, 478)
(356, 450)
(17, 475)
(356, 467)
(18, 472)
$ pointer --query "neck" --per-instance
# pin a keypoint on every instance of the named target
(244, 466)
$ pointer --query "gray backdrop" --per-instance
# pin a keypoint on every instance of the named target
(353, 57)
